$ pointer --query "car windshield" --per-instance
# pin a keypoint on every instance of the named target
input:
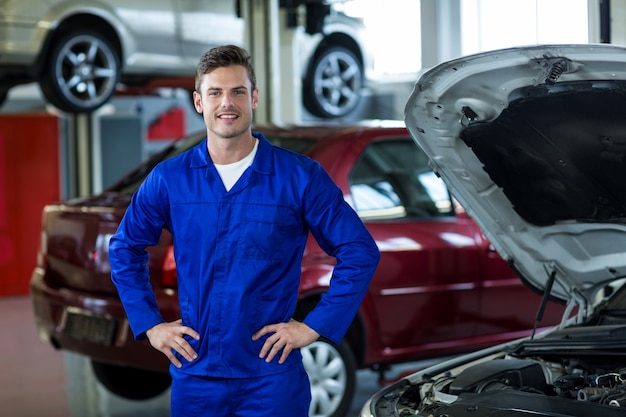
(132, 181)
(392, 180)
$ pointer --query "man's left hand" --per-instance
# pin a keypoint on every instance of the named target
(285, 337)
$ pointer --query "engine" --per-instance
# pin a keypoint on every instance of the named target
(500, 384)
(602, 387)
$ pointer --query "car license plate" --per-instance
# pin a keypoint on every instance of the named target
(95, 329)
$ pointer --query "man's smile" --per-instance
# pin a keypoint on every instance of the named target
(227, 116)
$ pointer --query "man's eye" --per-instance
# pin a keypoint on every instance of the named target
(214, 93)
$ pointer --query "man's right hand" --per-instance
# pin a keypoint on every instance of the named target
(166, 337)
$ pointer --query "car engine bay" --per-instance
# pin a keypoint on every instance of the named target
(586, 376)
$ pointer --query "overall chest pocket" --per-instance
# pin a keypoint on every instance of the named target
(268, 232)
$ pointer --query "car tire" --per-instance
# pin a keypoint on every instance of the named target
(4, 94)
(333, 84)
(332, 372)
(81, 72)
(131, 383)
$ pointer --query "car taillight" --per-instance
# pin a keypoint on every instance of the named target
(169, 279)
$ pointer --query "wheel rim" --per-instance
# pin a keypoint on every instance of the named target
(86, 71)
(337, 83)
(328, 375)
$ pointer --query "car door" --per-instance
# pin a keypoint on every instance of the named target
(203, 24)
(440, 283)
(509, 306)
(426, 288)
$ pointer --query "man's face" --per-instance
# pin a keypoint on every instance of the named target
(226, 101)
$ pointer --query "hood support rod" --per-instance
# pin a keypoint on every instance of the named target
(544, 302)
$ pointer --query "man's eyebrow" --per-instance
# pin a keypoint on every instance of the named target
(239, 87)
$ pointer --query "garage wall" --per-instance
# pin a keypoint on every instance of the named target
(618, 17)
(29, 179)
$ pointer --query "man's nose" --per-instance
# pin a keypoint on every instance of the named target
(226, 101)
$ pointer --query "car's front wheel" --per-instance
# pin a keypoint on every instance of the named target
(332, 372)
(81, 73)
(333, 84)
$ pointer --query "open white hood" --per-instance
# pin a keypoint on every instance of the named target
(532, 142)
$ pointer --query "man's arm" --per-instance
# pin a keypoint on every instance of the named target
(340, 233)
(141, 227)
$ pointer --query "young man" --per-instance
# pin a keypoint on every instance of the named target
(239, 210)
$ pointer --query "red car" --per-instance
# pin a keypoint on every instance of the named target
(427, 299)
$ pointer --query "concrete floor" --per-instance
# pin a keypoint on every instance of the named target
(36, 380)
(32, 376)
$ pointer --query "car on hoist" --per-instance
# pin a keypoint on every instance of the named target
(427, 297)
(82, 52)
(531, 140)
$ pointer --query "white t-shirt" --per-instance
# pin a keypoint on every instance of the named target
(230, 173)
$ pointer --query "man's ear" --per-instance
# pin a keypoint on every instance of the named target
(197, 101)
(255, 98)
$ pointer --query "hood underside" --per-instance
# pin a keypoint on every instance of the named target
(533, 144)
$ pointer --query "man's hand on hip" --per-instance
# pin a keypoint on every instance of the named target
(285, 337)
(166, 337)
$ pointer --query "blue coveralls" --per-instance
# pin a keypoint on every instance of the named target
(238, 257)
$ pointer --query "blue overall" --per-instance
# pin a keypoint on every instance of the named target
(238, 257)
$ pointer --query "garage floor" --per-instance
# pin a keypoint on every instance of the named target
(36, 380)
(32, 379)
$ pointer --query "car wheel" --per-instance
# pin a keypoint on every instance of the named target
(131, 383)
(4, 93)
(332, 372)
(332, 87)
(82, 71)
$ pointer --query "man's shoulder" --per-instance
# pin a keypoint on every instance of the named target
(272, 154)
(286, 154)
(190, 158)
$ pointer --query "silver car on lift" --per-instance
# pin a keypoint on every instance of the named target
(82, 51)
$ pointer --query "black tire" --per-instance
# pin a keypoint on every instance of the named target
(131, 383)
(332, 372)
(81, 72)
(4, 93)
(332, 86)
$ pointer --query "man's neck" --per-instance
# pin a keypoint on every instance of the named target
(225, 151)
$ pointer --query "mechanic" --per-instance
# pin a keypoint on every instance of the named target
(240, 211)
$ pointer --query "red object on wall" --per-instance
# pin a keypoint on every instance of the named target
(169, 125)
(29, 179)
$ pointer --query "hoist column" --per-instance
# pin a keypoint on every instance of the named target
(83, 150)
(273, 45)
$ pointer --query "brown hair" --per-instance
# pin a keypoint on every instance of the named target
(224, 56)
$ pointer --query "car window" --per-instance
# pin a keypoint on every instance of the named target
(392, 180)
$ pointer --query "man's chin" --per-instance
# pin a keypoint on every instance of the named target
(229, 133)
